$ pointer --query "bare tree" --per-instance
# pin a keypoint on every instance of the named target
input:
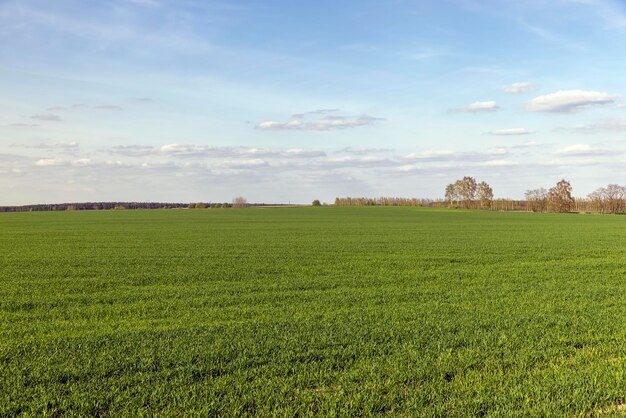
(465, 191)
(609, 199)
(537, 200)
(560, 197)
(240, 202)
(467, 187)
(451, 195)
(484, 192)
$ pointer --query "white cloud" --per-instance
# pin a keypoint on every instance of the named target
(431, 155)
(300, 152)
(362, 151)
(488, 106)
(243, 163)
(326, 123)
(207, 151)
(132, 150)
(70, 145)
(319, 120)
(279, 126)
(568, 101)
(449, 155)
(47, 162)
(500, 163)
(510, 131)
(82, 162)
(610, 125)
(341, 122)
(581, 149)
(518, 88)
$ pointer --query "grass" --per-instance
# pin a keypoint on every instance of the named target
(312, 311)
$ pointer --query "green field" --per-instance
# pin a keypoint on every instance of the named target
(312, 311)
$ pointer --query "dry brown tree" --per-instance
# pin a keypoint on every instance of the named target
(240, 202)
(560, 197)
(484, 193)
(537, 200)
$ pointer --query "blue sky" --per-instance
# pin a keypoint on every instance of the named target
(283, 101)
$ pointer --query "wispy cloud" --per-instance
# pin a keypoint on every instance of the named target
(452, 155)
(47, 162)
(317, 112)
(510, 132)
(569, 101)
(477, 107)
(280, 126)
(131, 150)
(582, 150)
(47, 117)
(519, 88)
(608, 125)
(68, 145)
(325, 123)
(362, 151)
(191, 151)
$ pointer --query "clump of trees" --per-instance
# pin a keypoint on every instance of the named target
(609, 199)
(240, 202)
(316, 202)
(467, 193)
(198, 205)
(557, 199)
(536, 200)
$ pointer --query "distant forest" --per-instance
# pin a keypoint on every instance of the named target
(237, 202)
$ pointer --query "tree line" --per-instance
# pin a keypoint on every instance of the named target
(92, 206)
(379, 201)
(237, 202)
(467, 193)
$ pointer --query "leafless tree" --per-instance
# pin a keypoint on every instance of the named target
(462, 191)
(560, 197)
(609, 199)
(451, 195)
(537, 200)
(467, 187)
(240, 202)
(484, 192)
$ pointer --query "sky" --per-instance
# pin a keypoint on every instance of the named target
(289, 101)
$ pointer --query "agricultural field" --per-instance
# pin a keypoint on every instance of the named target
(348, 311)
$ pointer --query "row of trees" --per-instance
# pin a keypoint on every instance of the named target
(467, 193)
(609, 199)
(380, 201)
(556, 199)
(238, 202)
(92, 206)
(470, 194)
